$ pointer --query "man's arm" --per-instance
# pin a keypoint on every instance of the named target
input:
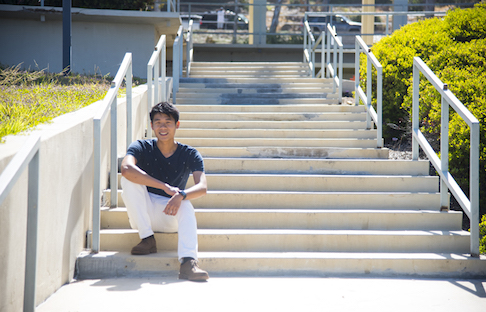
(133, 173)
(199, 189)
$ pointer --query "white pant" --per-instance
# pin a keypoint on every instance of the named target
(146, 213)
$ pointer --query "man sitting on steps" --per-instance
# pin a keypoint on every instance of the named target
(155, 172)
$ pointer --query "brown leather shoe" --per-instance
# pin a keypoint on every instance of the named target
(145, 247)
(190, 271)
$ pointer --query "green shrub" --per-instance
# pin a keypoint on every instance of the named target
(482, 235)
(396, 53)
(455, 50)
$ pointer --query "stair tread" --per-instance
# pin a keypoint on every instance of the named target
(305, 232)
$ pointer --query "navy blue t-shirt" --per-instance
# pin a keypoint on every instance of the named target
(174, 170)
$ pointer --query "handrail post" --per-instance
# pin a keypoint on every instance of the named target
(156, 81)
(444, 150)
(474, 188)
(175, 69)
(164, 69)
(323, 47)
(357, 53)
(189, 48)
(95, 244)
(113, 154)
(128, 80)
(305, 42)
(328, 53)
(415, 113)
(149, 98)
(334, 61)
(368, 91)
(379, 106)
(340, 89)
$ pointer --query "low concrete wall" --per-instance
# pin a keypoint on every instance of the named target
(65, 198)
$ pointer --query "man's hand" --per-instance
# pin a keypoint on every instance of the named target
(173, 205)
(171, 190)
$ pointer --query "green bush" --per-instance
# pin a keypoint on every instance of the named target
(482, 235)
(454, 48)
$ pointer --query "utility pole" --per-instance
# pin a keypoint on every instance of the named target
(66, 36)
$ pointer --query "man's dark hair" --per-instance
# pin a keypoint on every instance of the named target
(165, 108)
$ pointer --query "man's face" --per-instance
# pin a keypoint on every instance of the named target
(164, 127)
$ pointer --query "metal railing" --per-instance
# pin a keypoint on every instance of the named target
(28, 155)
(386, 12)
(189, 48)
(110, 103)
(310, 46)
(367, 98)
(177, 62)
(331, 69)
(173, 5)
(471, 205)
(156, 69)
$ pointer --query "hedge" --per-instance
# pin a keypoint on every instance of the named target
(454, 47)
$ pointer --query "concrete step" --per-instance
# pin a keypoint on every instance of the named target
(289, 75)
(251, 80)
(257, 101)
(255, 96)
(249, 65)
(271, 116)
(224, 70)
(317, 166)
(387, 264)
(294, 152)
(249, 85)
(269, 124)
(298, 108)
(277, 142)
(311, 200)
(289, 240)
(274, 133)
(116, 218)
(243, 89)
(317, 183)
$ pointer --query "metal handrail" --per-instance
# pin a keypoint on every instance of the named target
(173, 6)
(367, 99)
(110, 101)
(28, 155)
(471, 205)
(177, 57)
(309, 42)
(332, 69)
(156, 67)
(189, 49)
(311, 47)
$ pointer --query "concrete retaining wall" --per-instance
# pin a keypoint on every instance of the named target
(65, 198)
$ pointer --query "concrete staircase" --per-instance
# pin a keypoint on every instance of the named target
(296, 186)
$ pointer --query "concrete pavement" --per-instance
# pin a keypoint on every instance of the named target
(224, 293)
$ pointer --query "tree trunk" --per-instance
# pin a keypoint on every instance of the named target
(276, 14)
